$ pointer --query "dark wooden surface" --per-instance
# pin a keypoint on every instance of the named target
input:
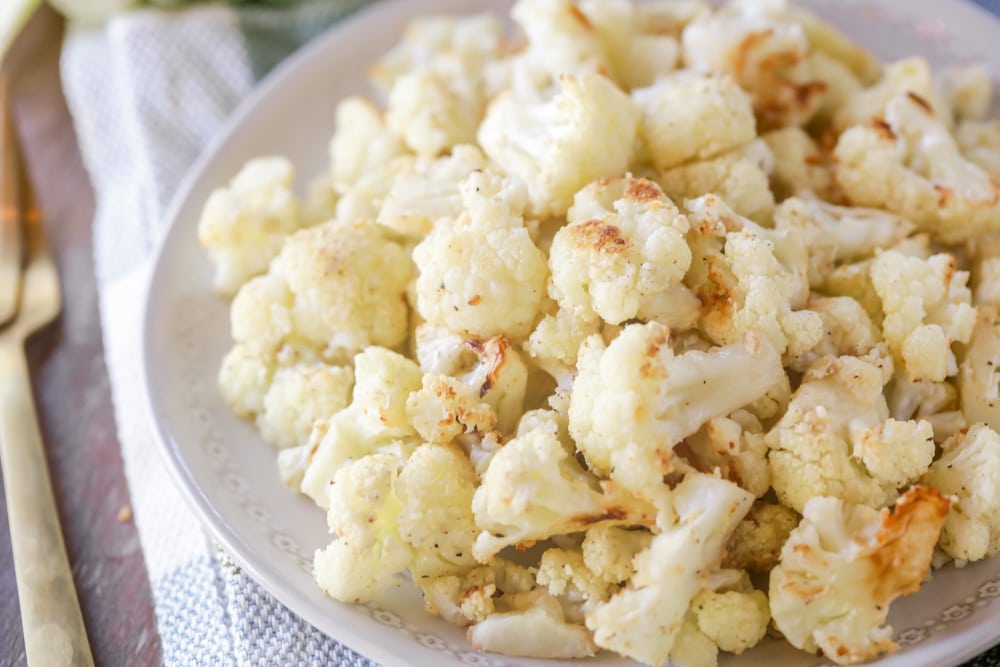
(71, 384)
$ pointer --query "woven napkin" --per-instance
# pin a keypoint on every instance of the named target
(147, 92)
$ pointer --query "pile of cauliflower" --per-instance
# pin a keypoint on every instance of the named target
(655, 329)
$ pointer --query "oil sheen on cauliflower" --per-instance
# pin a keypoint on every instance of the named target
(634, 400)
(643, 620)
(482, 274)
(558, 146)
(244, 225)
(845, 564)
(623, 255)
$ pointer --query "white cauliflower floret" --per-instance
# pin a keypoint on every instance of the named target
(368, 552)
(911, 165)
(623, 255)
(568, 579)
(979, 376)
(556, 340)
(845, 564)
(561, 42)
(481, 274)
(445, 408)
(847, 330)
(842, 84)
(437, 106)
(969, 469)
(534, 489)
(766, 54)
(979, 142)
(754, 282)
(609, 551)
(429, 193)
(799, 165)
(969, 91)
(638, 38)
(536, 628)
(244, 377)
(642, 621)
(470, 597)
(634, 400)
(927, 308)
(986, 270)
(838, 417)
(376, 418)
(361, 144)
(585, 132)
(755, 545)
(935, 402)
(734, 446)
(733, 620)
(298, 396)
(836, 234)
(474, 40)
(435, 488)
(688, 117)
(734, 177)
(439, 350)
(243, 226)
(333, 290)
(911, 75)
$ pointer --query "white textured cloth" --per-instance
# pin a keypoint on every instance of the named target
(146, 93)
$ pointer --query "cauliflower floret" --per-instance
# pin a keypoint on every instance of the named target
(733, 620)
(908, 76)
(470, 597)
(376, 418)
(429, 193)
(332, 291)
(298, 396)
(439, 350)
(568, 579)
(935, 402)
(847, 330)
(734, 177)
(689, 117)
(585, 132)
(244, 377)
(642, 621)
(534, 489)
(473, 40)
(734, 446)
(639, 38)
(854, 281)
(437, 106)
(969, 470)
(556, 340)
(361, 143)
(753, 282)
(243, 227)
(845, 564)
(482, 275)
(634, 400)
(835, 234)
(799, 165)
(755, 545)
(911, 165)
(609, 551)
(445, 408)
(986, 270)
(979, 142)
(623, 256)
(979, 377)
(368, 552)
(838, 417)
(969, 91)
(435, 488)
(766, 54)
(841, 86)
(536, 628)
(927, 308)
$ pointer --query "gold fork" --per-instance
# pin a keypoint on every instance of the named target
(54, 633)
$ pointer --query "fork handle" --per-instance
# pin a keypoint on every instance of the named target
(54, 633)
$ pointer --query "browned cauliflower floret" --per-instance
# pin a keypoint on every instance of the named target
(623, 255)
(446, 407)
(755, 545)
(799, 165)
(481, 274)
(845, 564)
(911, 75)
(911, 165)
(733, 447)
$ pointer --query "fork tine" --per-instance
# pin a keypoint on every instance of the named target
(11, 206)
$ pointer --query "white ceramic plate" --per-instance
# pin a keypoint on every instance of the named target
(229, 474)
